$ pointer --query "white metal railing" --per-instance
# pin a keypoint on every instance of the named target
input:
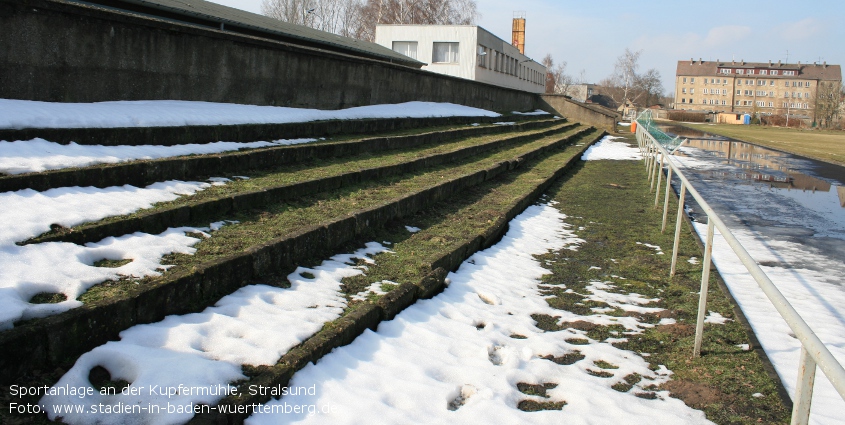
(813, 351)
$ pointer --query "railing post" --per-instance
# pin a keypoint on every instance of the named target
(804, 389)
(655, 171)
(666, 200)
(678, 228)
(659, 177)
(705, 283)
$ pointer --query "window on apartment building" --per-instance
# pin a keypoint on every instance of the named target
(737, 103)
(771, 82)
(445, 52)
(738, 91)
(771, 94)
(771, 104)
(704, 101)
(724, 92)
(684, 90)
(786, 83)
(685, 80)
(691, 91)
(807, 84)
(785, 94)
(692, 80)
(774, 72)
(739, 82)
(763, 72)
(683, 100)
(806, 95)
(725, 71)
(761, 82)
(705, 91)
(788, 72)
(407, 48)
(740, 71)
(805, 105)
(724, 102)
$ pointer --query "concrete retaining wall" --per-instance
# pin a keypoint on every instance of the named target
(62, 52)
(577, 111)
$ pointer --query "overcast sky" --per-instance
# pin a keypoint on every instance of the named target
(590, 34)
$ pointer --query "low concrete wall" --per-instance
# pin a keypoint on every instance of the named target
(62, 52)
(576, 111)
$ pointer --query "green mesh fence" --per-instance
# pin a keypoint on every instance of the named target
(646, 122)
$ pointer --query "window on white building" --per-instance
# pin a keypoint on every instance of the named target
(445, 53)
(407, 48)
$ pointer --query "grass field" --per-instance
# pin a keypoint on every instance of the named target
(824, 145)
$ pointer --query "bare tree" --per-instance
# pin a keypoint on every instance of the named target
(563, 81)
(650, 87)
(335, 16)
(417, 12)
(292, 11)
(829, 103)
(625, 71)
(549, 63)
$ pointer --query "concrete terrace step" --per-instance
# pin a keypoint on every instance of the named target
(144, 172)
(531, 183)
(197, 212)
(59, 339)
(179, 135)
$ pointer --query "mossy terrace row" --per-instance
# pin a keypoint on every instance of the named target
(266, 244)
(411, 133)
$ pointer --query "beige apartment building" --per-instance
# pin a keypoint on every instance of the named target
(751, 87)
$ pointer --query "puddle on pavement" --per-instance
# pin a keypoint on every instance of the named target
(776, 195)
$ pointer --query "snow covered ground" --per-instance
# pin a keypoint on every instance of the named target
(66, 268)
(798, 245)
(29, 156)
(457, 358)
(26, 156)
(607, 148)
(204, 351)
(16, 114)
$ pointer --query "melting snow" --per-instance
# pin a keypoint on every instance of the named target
(606, 148)
(169, 113)
(28, 156)
(452, 359)
(255, 325)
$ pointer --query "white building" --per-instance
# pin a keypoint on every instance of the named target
(465, 51)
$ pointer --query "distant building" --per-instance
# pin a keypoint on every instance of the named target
(581, 92)
(751, 87)
(465, 51)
